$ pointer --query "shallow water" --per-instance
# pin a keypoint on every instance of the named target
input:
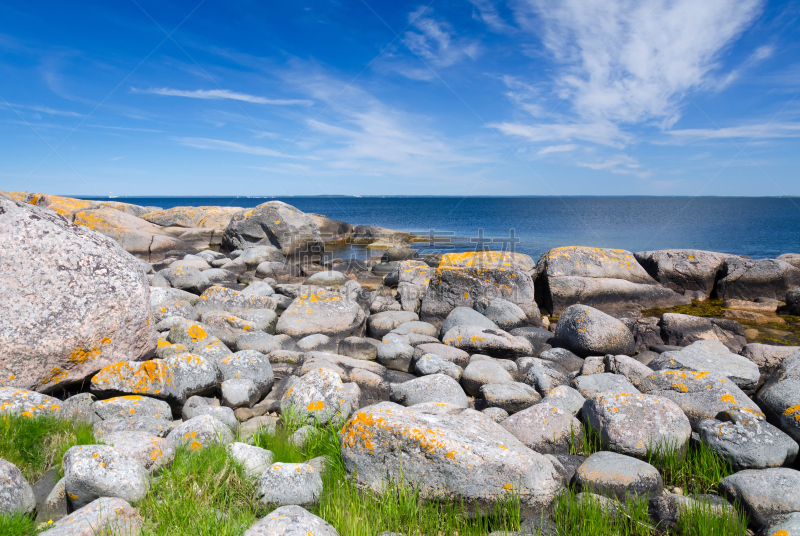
(758, 227)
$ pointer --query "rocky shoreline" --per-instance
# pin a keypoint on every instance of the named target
(469, 375)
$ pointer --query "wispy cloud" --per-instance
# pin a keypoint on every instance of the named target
(222, 94)
(230, 146)
(436, 42)
(621, 164)
(557, 149)
(486, 11)
(764, 130)
(42, 109)
(600, 132)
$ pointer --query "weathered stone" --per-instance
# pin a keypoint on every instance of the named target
(156, 426)
(465, 316)
(505, 314)
(433, 364)
(433, 388)
(16, 495)
(417, 328)
(511, 397)
(239, 393)
(248, 365)
(179, 308)
(104, 514)
(766, 356)
(447, 353)
(186, 278)
(327, 278)
(163, 295)
(323, 312)
(480, 373)
(492, 342)
(94, 471)
(587, 331)
(199, 432)
(252, 257)
(498, 415)
(793, 301)
(255, 460)
(632, 424)
(566, 398)
(289, 483)
(317, 342)
(781, 525)
(217, 298)
(291, 521)
(317, 396)
(359, 348)
(701, 395)
(73, 301)
(26, 403)
(464, 457)
(189, 217)
(763, 493)
(780, 396)
(682, 330)
(747, 279)
(151, 452)
(462, 278)
(616, 475)
(633, 370)
(603, 383)
(174, 379)
(259, 341)
(275, 223)
(545, 429)
(395, 355)
(380, 324)
(711, 355)
(691, 272)
(562, 357)
(600, 278)
(545, 376)
(131, 406)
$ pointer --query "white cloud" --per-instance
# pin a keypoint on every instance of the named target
(630, 61)
(218, 94)
(436, 42)
(487, 13)
(600, 132)
(557, 149)
(621, 164)
(230, 146)
(765, 130)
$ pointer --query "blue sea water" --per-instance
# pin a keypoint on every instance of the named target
(758, 227)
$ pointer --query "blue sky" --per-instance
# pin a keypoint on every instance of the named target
(478, 97)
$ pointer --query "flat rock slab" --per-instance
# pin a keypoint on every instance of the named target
(132, 406)
(322, 311)
(465, 457)
(764, 493)
(486, 341)
(616, 475)
(750, 443)
(603, 383)
(781, 525)
(289, 483)
(433, 388)
(217, 298)
(633, 423)
(511, 397)
(106, 513)
(711, 355)
(291, 521)
(545, 429)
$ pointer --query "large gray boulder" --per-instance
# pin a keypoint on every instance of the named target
(487, 341)
(73, 300)
(711, 355)
(545, 429)
(763, 493)
(464, 316)
(505, 314)
(380, 324)
(747, 279)
(480, 373)
(273, 223)
(21, 402)
(149, 451)
(289, 483)
(691, 272)
(174, 379)
(767, 357)
(94, 471)
(187, 278)
(587, 331)
(617, 476)
(747, 441)
(324, 312)
(510, 397)
(110, 514)
(463, 278)
(634, 423)
(602, 278)
(248, 365)
(291, 521)
(131, 406)
(466, 457)
(780, 396)
(682, 330)
(566, 398)
(16, 495)
(603, 382)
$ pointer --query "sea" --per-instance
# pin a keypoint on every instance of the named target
(758, 227)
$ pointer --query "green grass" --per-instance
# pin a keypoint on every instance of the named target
(17, 525)
(588, 516)
(35, 445)
(704, 520)
(587, 442)
(697, 469)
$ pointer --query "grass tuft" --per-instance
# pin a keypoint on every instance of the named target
(35, 445)
(579, 516)
(16, 525)
(705, 520)
(696, 469)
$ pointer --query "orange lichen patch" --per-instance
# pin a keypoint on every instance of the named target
(195, 446)
(163, 344)
(793, 410)
(197, 333)
(680, 386)
(728, 398)
(508, 486)
(487, 259)
(314, 406)
(451, 455)
(56, 375)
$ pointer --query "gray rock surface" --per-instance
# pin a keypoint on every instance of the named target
(248, 365)
(763, 493)
(780, 396)
(781, 525)
(682, 330)
(587, 331)
(690, 272)
(767, 357)
(711, 355)
(73, 300)
(289, 483)
(323, 312)
(273, 223)
(15, 401)
(511, 397)
(149, 451)
(603, 383)
(747, 279)
(566, 398)
(200, 432)
(255, 460)
(465, 316)
(433, 388)
(104, 514)
(491, 342)
(562, 357)
(154, 426)
(545, 429)
(395, 355)
(94, 471)
(480, 373)
(634, 423)
(433, 364)
(380, 324)
(291, 521)
(505, 314)
(217, 298)
(197, 405)
(131, 406)
(16, 495)
(545, 376)
(465, 457)
(318, 396)
(616, 475)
